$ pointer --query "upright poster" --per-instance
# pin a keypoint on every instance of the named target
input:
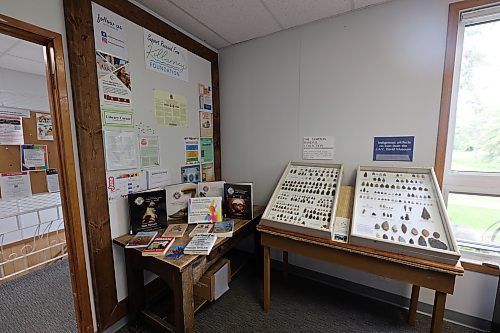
(44, 129)
(206, 124)
(163, 56)
(11, 131)
(34, 158)
(115, 89)
(149, 147)
(170, 109)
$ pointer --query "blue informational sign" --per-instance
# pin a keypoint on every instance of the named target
(393, 148)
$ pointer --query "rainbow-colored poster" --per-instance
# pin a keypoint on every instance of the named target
(205, 210)
(34, 158)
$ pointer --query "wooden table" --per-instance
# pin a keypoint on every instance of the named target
(179, 275)
(418, 272)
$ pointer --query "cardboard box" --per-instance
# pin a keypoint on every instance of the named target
(215, 281)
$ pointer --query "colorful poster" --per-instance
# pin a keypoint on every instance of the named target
(120, 184)
(318, 148)
(205, 97)
(117, 118)
(109, 32)
(206, 124)
(207, 172)
(44, 130)
(191, 173)
(191, 145)
(11, 131)
(52, 180)
(170, 109)
(34, 158)
(393, 148)
(120, 150)
(113, 76)
(149, 147)
(15, 185)
(165, 57)
(206, 150)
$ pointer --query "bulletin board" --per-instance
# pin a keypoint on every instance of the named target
(103, 221)
(11, 155)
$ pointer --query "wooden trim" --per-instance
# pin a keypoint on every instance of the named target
(81, 52)
(58, 99)
(448, 76)
(478, 267)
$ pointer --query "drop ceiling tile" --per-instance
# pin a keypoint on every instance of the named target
(6, 42)
(22, 65)
(28, 50)
(292, 13)
(180, 18)
(365, 3)
(235, 20)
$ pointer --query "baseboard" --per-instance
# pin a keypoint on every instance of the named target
(398, 300)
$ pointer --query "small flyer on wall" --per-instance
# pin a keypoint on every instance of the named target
(207, 172)
(206, 124)
(393, 148)
(15, 185)
(117, 118)
(170, 109)
(206, 150)
(52, 180)
(11, 131)
(113, 76)
(120, 150)
(109, 32)
(44, 129)
(34, 158)
(14, 112)
(318, 148)
(149, 147)
(157, 178)
(191, 173)
(165, 57)
(205, 97)
(191, 145)
(122, 183)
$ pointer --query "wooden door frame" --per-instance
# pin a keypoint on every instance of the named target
(58, 101)
(86, 105)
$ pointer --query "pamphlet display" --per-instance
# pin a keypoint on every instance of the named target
(401, 210)
(177, 200)
(305, 199)
(238, 200)
(211, 189)
(204, 210)
(201, 244)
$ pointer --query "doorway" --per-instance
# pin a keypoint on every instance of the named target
(39, 208)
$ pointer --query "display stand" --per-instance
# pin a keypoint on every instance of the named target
(401, 210)
(305, 199)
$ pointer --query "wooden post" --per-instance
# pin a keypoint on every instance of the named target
(438, 312)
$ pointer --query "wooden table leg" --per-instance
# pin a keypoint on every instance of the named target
(412, 311)
(438, 312)
(285, 266)
(258, 252)
(267, 278)
(183, 300)
(135, 285)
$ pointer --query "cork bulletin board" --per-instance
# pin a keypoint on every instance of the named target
(12, 160)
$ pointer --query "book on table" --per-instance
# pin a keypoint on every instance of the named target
(159, 246)
(177, 200)
(211, 189)
(175, 252)
(223, 229)
(175, 230)
(205, 210)
(201, 244)
(141, 239)
(147, 210)
(238, 200)
(202, 228)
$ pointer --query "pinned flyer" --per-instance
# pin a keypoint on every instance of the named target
(34, 158)
(15, 185)
(191, 145)
(44, 129)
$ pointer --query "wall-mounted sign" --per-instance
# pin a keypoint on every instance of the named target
(109, 32)
(318, 148)
(393, 148)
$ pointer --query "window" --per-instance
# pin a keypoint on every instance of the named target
(471, 167)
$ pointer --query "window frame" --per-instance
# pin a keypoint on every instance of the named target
(464, 182)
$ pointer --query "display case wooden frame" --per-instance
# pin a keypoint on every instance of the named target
(402, 210)
(286, 210)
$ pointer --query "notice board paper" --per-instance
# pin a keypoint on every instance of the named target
(318, 148)
(120, 150)
(170, 109)
(149, 147)
(122, 183)
(34, 158)
(11, 131)
(15, 185)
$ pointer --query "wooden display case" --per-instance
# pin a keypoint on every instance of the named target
(305, 199)
(402, 210)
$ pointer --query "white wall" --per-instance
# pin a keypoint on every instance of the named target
(23, 90)
(374, 72)
(49, 14)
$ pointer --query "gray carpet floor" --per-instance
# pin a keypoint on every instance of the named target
(301, 305)
(39, 302)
